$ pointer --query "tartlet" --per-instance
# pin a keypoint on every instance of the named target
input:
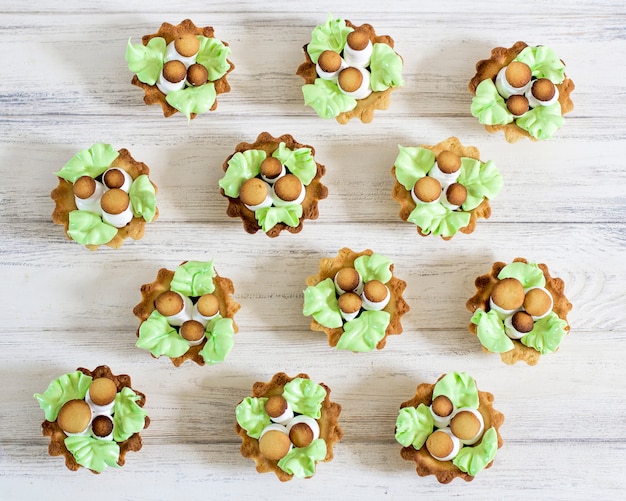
(103, 197)
(288, 425)
(444, 188)
(188, 314)
(182, 68)
(273, 184)
(449, 429)
(93, 418)
(349, 71)
(519, 311)
(521, 90)
(356, 300)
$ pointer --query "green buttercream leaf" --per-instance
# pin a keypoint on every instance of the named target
(93, 453)
(543, 62)
(305, 396)
(473, 460)
(374, 267)
(326, 99)
(251, 416)
(320, 301)
(143, 198)
(438, 220)
(242, 166)
(413, 163)
(364, 332)
(128, 417)
(491, 331)
(194, 278)
(543, 121)
(385, 68)
(300, 461)
(331, 35)
(90, 162)
(547, 334)
(489, 106)
(219, 340)
(212, 55)
(460, 388)
(481, 180)
(88, 228)
(414, 426)
(529, 274)
(299, 161)
(68, 387)
(160, 338)
(268, 217)
(193, 99)
(146, 60)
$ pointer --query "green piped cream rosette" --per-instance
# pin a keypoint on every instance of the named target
(453, 418)
(84, 219)
(190, 96)
(482, 182)
(288, 425)
(504, 331)
(275, 215)
(538, 120)
(379, 64)
(71, 396)
(161, 335)
(367, 328)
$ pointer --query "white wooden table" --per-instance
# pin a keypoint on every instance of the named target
(64, 85)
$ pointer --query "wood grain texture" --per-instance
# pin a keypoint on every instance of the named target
(64, 85)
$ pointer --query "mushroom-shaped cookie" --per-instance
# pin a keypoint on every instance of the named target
(103, 197)
(182, 68)
(93, 418)
(288, 425)
(356, 300)
(449, 429)
(349, 71)
(519, 311)
(273, 184)
(188, 314)
(522, 90)
(444, 188)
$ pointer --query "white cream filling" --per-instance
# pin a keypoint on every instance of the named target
(274, 427)
(171, 53)
(284, 418)
(444, 178)
(349, 316)
(358, 290)
(502, 313)
(418, 201)
(128, 180)
(278, 202)
(505, 89)
(359, 58)
(118, 220)
(96, 410)
(364, 89)
(441, 421)
(86, 431)
(92, 203)
(183, 315)
(199, 317)
(309, 421)
(537, 317)
(273, 180)
(165, 86)
(265, 203)
(196, 342)
(479, 434)
(456, 446)
(376, 305)
(329, 75)
(533, 102)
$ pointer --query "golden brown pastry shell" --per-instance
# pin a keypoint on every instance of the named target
(315, 190)
(484, 285)
(328, 422)
(407, 204)
(446, 471)
(396, 308)
(224, 289)
(57, 436)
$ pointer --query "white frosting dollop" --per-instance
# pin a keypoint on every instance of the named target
(444, 178)
(358, 58)
(502, 313)
(274, 427)
(441, 421)
(118, 220)
(171, 53)
(128, 180)
(505, 89)
(375, 305)
(349, 316)
(364, 89)
(91, 204)
(96, 410)
(285, 417)
(312, 423)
